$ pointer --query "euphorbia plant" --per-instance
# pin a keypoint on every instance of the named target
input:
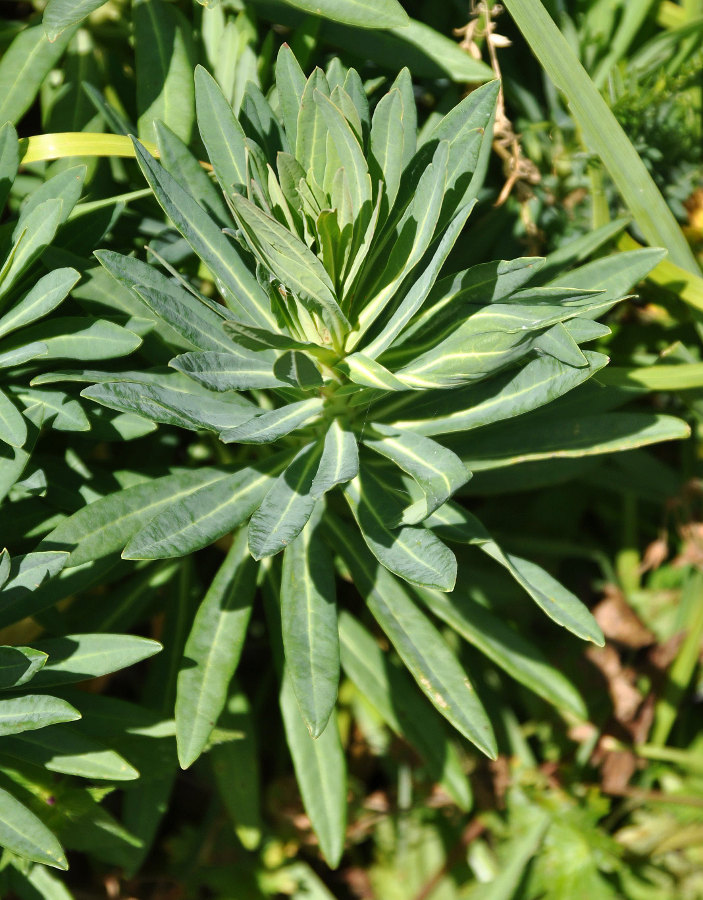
(341, 379)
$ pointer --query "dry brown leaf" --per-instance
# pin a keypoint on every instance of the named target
(620, 622)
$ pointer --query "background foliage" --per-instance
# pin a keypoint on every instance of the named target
(127, 747)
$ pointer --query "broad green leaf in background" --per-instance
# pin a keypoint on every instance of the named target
(361, 13)
(83, 656)
(61, 14)
(164, 68)
(23, 68)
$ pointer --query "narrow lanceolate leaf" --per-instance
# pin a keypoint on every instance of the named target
(438, 471)
(270, 426)
(105, 526)
(206, 515)
(505, 646)
(82, 656)
(32, 711)
(260, 339)
(413, 553)
(349, 152)
(311, 136)
(504, 396)
(44, 296)
(290, 82)
(418, 643)
(576, 436)
(297, 369)
(64, 750)
(242, 291)
(287, 507)
(387, 142)
(222, 134)
(390, 690)
(9, 160)
(164, 68)
(309, 625)
(227, 371)
(79, 338)
(26, 835)
(362, 13)
(188, 406)
(340, 459)
(291, 262)
(320, 772)
(456, 524)
(213, 649)
(18, 665)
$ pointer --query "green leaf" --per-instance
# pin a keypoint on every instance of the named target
(213, 649)
(413, 553)
(79, 338)
(505, 646)
(615, 274)
(26, 575)
(291, 262)
(222, 134)
(297, 369)
(309, 626)
(18, 665)
(348, 149)
(106, 525)
(61, 14)
(227, 371)
(439, 472)
(33, 711)
(235, 763)
(206, 515)
(241, 289)
(9, 160)
(46, 295)
(24, 66)
(456, 524)
(260, 339)
(518, 853)
(361, 369)
(269, 426)
(287, 507)
(361, 13)
(418, 643)
(37, 233)
(339, 462)
(60, 749)
(311, 133)
(66, 186)
(185, 168)
(504, 396)
(290, 83)
(26, 835)
(321, 774)
(575, 436)
(187, 405)
(164, 69)
(198, 323)
(602, 131)
(391, 692)
(80, 657)
(13, 425)
(388, 142)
